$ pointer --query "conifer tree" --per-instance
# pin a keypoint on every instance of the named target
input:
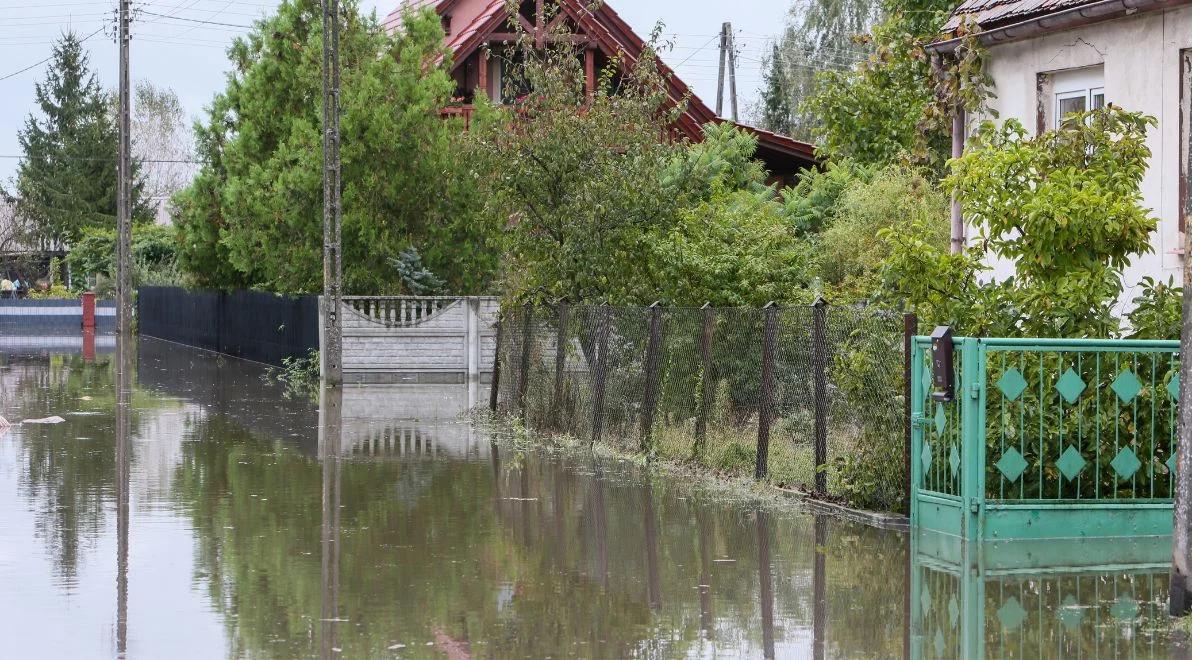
(67, 179)
(778, 108)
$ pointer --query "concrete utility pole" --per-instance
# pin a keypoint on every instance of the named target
(721, 69)
(1181, 549)
(331, 358)
(728, 54)
(124, 186)
(732, 52)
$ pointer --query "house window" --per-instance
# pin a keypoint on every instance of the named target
(1077, 90)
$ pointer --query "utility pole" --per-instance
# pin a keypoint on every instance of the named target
(124, 186)
(721, 69)
(728, 54)
(732, 51)
(331, 358)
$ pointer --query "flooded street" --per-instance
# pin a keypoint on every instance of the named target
(236, 522)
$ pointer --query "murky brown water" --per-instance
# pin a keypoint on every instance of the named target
(232, 522)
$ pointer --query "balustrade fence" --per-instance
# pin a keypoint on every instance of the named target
(809, 396)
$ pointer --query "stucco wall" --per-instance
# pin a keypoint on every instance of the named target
(1140, 55)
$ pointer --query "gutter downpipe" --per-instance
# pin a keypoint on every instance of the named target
(958, 133)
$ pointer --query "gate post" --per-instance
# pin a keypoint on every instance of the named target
(972, 449)
(820, 404)
(601, 373)
(706, 333)
(653, 373)
(766, 391)
(910, 331)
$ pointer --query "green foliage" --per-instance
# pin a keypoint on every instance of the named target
(1157, 311)
(733, 251)
(819, 36)
(153, 249)
(1065, 207)
(253, 215)
(722, 161)
(67, 179)
(811, 202)
(300, 377)
(897, 105)
(581, 189)
(850, 253)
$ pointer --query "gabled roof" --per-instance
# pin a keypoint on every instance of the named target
(615, 38)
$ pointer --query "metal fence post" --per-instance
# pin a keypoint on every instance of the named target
(526, 350)
(706, 333)
(494, 394)
(560, 363)
(910, 331)
(653, 373)
(766, 392)
(820, 402)
(601, 372)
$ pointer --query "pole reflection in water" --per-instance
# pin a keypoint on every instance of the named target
(819, 536)
(766, 593)
(704, 525)
(649, 524)
(330, 445)
(599, 522)
(124, 385)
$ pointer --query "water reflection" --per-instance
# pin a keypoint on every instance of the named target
(379, 522)
(1006, 600)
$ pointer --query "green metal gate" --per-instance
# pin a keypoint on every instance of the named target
(1046, 438)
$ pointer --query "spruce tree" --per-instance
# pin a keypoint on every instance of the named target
(778, 108)
(67, 179)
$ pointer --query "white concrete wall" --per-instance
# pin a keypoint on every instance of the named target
(443, 344)
(1140, 55)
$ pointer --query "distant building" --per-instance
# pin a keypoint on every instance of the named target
(473, 25)
(1054, 57)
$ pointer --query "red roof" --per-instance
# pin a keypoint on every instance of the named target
(615, 38)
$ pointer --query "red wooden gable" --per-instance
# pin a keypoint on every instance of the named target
(605, 37)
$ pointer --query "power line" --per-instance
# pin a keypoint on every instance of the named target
(37, 64)
(196, 20)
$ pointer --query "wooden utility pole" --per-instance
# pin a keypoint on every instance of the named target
(728, 54)
(331, 358)
(124, 184)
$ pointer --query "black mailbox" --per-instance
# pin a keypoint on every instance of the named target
(943, 363)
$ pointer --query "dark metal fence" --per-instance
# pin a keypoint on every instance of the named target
(263, 327)
(804, 396)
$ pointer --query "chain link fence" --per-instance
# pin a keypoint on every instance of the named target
(809, 397)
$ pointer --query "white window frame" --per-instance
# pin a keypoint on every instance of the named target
(1086, 83)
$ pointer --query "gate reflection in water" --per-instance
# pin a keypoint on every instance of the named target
(993, 601)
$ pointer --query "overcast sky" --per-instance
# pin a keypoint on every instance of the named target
(190, 57)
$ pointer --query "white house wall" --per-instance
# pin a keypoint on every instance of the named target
(1140, 55)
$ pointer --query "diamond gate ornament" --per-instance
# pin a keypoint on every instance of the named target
(1126, 386)
(1070, 386)
(1125, 464)
(1012, 384)
(1012, 464)
(1070, 463)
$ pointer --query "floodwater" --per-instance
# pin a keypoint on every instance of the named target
(186, 509)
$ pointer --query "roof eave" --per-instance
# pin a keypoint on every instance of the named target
(1057, 22)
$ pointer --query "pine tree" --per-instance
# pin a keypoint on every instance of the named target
(67, 179)
(778, 108)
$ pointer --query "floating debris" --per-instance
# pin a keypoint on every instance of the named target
(54, 419)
